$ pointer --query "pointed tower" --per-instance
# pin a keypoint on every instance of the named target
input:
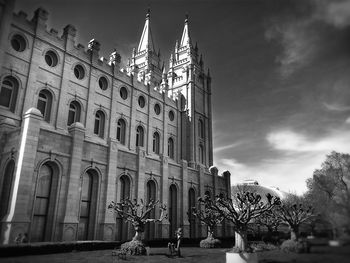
(186, 76)
(181, 62)
(185, 39)
(145, 61)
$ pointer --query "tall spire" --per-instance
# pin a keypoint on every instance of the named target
(185, 39)
(146, 41)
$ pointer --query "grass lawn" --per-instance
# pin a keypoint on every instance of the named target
(190, 254)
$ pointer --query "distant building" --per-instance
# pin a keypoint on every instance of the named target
(77, 131)
(254, 186)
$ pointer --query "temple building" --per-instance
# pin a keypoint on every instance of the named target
(78, 131)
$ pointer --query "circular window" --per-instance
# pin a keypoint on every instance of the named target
(51, 58)
(157, 108)
(142, 101)
(18, 43)
(79, 72)
(171, 115)
(103, 83)
(123, 93)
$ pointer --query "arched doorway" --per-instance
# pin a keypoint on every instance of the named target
(44, 203)
(191, 217)
(6, 188)
(151, 195)
(88, 205)
(172, 210)
(124, 193)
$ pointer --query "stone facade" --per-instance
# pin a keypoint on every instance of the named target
(77, 131)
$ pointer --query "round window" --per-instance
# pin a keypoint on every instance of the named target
(142, 101)
(18, 43)
(123, 93)
(157, 108)
(79, 72)
(103, 83)
(51, 58)
(171, 115)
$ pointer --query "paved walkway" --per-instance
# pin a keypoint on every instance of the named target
(190, 254)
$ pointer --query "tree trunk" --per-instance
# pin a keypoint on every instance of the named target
(210, 233)
(270, 229)
(334, 233)
(137, 236)
(241, 241)
(294, 232)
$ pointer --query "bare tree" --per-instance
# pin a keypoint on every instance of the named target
(294, 211)
(243, 209)
(269, 220)
(209, 216)
(137, 214)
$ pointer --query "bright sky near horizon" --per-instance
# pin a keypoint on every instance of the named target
(280, 69)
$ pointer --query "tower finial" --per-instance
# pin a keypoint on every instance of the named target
(146, 41)
(186, 18)
(185, 39)
(148, 12)
(163, 71)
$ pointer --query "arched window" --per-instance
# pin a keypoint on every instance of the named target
(74, 112)
(8, 93)
(191, 217)
(200, 154)
(171, 151)
(156, 142)
(139, 136)
(44, 198)
(124, 188)
(151, 195)
(85, 206)
(124, 193)
(200, 129)
(99, 127)
(44, 104)
(6, 188)
(172, 212)
(121, 128)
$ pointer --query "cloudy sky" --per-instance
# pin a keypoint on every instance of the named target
(280, 69)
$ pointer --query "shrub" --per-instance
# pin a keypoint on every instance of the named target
(210, 243)
(257, 247)
(292, 246)
(134, 247)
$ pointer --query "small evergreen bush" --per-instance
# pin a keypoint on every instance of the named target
(210, 243)
(134, 247)
(292, 246)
